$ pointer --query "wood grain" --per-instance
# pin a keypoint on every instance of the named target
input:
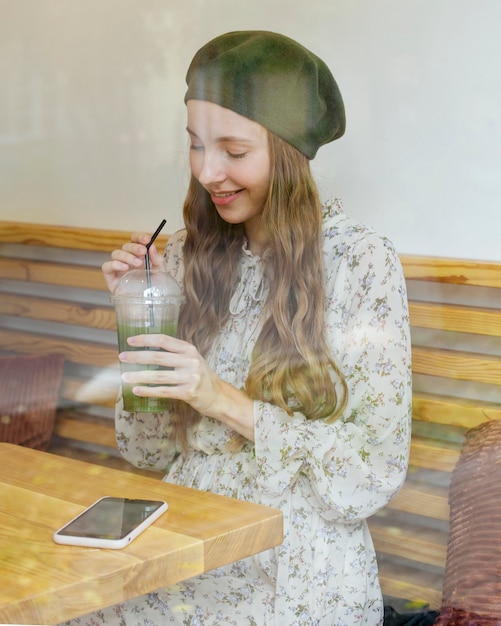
(412, 542)
(458, 365)
(59, 274)
(453, 411)
(452, 271)
(67, 237)
(416, 585)
(59, 311)
(454, 318)
(44, 583)
(79, 426)
(433, 456)
(77, 351)
(421, 501)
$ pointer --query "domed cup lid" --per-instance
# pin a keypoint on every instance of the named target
(147, 284)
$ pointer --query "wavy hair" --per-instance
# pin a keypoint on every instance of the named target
(292, 366)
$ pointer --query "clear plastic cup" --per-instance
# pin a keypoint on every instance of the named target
(146, 302)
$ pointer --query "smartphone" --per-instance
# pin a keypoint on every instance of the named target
(110, 523)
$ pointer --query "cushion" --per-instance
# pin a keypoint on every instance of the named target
(29, 392)
(472, 582)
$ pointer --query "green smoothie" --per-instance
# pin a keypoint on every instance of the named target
(131, 401)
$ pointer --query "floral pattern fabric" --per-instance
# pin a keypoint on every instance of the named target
(326, 478)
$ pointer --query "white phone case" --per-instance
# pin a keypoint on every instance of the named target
(97, 533)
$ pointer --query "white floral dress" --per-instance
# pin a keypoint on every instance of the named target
(327, 479)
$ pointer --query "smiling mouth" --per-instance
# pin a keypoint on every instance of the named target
(224, 198)
(225, 194)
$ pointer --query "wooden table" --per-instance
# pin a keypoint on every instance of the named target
(45, 583)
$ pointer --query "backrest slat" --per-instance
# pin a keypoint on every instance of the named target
(52, 310)
(457, 365)
(462, 319)
(451, 411)
(60, 274)
(76, 351)
(452, 271)
(73, 238)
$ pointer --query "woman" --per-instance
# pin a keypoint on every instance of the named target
(291, 370)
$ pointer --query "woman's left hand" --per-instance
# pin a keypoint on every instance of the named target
(190, 379)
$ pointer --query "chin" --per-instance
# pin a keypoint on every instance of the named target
(230, 219)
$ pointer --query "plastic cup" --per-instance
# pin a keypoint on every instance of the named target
(146, 302)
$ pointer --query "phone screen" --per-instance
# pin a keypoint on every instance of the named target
(111, 518)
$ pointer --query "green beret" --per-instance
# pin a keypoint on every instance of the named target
(272, 80)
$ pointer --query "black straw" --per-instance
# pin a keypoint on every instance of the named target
(153, 237)
(155, 234)
(147, 264)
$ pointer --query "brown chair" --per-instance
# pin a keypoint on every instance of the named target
(472, 582)
(29, 392)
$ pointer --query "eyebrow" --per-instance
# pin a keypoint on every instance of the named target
(225, 138)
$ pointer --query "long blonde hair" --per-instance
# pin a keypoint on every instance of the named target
(292, 366)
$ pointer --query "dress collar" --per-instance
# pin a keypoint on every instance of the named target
(252, 285)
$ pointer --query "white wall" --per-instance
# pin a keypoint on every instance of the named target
(92, 116)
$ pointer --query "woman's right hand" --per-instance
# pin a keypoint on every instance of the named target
(131, 256)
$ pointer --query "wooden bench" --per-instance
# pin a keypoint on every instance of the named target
(53, 299)
(456, 354)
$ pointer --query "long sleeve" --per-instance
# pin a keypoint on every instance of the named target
(145, 439)
(350, 468)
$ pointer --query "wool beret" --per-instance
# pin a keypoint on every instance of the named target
(273, 80)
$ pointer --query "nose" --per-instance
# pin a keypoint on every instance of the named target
(210, 169)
